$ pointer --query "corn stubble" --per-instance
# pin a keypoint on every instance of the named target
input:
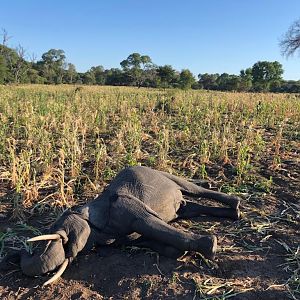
(60, 145)
(55, 142)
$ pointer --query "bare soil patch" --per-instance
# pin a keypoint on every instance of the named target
(251, 262)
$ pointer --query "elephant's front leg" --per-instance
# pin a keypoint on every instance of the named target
(155, 229)
(128, 214)
(161, 248)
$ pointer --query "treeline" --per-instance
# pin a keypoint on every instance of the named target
(137, 70)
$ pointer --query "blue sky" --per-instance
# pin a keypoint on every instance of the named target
(213, 36)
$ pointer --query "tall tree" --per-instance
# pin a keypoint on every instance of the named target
(135, 67)
(14, 62)
(21, 66)
(290, 43)
(99, 74)
(11, 59)
(71, 75)
(88, 78)
(115, 76)
(246, 79)
(208, 81)
(167, 76)
(266, 75)
(53, 65)
(3, 69)
(227, 82)
(34, 77)
(186, 79)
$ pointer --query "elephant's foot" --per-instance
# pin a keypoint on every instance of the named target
(207, 246)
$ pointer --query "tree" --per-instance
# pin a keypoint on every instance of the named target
(34, 77)
(290, 86)
(115, 76)
(10, 57)
(186, 79)
(208, 81)
(266, 75)
(88, 78)
(52, 65)
(246, 79)
(135, 60)
(167, 76)
(227, 82)
(95, 75)
(20, 66)
(290, 43)
(150, 78)
(3, 69)
(14, 61)
(99, 74)
(71, 74)
(135, 67)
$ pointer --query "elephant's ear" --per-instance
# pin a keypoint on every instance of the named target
(77, 237)
(74, 230)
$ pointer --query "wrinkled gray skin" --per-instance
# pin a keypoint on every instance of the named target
(133, 210)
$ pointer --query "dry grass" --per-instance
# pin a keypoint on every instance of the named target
(59, 147)
(56, 139)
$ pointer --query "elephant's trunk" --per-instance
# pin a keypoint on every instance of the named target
(46, 259)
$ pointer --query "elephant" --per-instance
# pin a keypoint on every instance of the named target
(134, 209)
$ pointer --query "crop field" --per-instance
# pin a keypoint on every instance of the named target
(61, 145)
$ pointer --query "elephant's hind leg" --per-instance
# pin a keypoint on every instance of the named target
(192, 189)
(189, 209)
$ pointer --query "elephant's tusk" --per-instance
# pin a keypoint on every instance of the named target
(58, 274)
(45, 237)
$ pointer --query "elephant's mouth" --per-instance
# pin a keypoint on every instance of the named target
(50, 238)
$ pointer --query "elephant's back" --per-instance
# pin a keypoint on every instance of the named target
(151, 187)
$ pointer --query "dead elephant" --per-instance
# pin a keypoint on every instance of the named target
(139, 202)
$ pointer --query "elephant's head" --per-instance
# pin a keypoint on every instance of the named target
(67, 237)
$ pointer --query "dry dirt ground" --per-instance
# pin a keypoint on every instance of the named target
(257, 256)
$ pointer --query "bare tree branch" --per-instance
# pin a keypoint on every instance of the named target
(5, 37)
(290, 43)
(20, 66)
(33, 58)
